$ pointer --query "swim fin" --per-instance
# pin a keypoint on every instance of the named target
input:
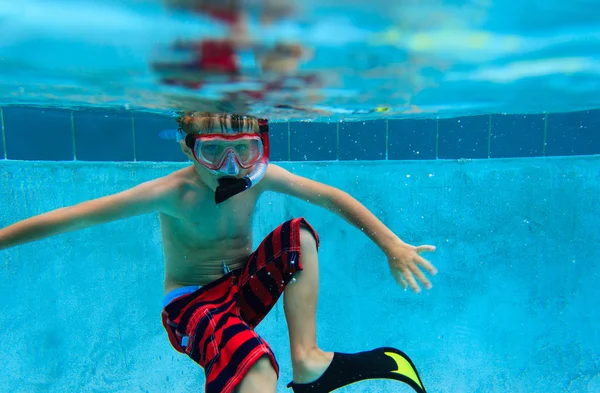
(379, 363)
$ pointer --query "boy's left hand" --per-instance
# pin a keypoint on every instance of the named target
(404, 261)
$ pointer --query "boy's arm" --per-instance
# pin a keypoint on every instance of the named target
(403, 258)
(145, 198)
(332, 199)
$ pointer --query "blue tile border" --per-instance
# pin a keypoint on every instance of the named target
(52, 130)
(154, 138)
(362, 140)
(412, 139)
(279, 142)
(314, 141)
(573, 133)
(124, 135)
(464, 137)
(4, 157)
(517, 136)
(104, 136)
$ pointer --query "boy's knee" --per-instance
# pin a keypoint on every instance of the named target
(307, 239)
(262, 371)
(261, 378)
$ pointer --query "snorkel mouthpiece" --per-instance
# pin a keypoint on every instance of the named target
(230, 186)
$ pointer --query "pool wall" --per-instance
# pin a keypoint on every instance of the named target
(513, 308)
(30, 133)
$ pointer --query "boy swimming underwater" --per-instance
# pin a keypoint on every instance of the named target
(216, 288)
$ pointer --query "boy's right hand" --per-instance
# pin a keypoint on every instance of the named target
(404, 261)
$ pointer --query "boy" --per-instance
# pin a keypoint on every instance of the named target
(216, 289)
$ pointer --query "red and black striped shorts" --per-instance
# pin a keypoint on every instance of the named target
(215, 324)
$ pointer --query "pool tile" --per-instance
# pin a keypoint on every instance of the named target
(3, 136)
(38, 134)
(517, 136)
(313, 141)
(412, 139)
(154, 138)
(103, 135)
(278, 142)
(464, 137)
(576, 133)
(362, 140)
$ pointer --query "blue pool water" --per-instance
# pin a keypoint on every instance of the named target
(511, 310)
(433, 58)
(481, 154)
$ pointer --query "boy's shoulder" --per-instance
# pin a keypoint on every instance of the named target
(168, 192)
(279, 179)
(175, 186)
(175, 181)
(274, 175)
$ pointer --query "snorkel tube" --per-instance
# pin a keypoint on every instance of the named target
(229, 187)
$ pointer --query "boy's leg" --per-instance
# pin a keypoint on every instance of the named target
(286, 261)
(300, 305)
(316, 371)
(261, 378)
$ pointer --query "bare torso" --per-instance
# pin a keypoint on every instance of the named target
(199, 237)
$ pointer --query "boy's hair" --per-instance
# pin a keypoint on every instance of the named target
(217, 123)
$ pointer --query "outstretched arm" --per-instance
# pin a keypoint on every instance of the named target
(145, 198)
(403, 258)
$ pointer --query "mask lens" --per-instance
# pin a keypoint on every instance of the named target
(213, 150)
(248, 151)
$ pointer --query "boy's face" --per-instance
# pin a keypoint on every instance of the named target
(221, 147)
(221, 156)
(211, 177)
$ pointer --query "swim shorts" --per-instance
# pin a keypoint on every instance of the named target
(214, 324)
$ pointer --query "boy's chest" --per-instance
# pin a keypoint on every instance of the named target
(231, 218)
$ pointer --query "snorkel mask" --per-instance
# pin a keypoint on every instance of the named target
(229, 153)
